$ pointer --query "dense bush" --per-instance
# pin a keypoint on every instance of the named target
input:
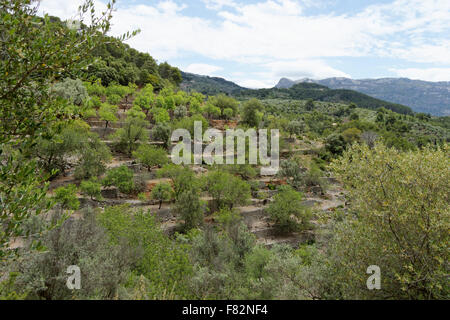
(66, 197)
(120, 177)
(80, 242)
(288, 212)
(150, 156)
(92, 188)
(162, 192)
(226, 189)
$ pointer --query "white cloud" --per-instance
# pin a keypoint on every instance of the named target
(428, 74)
(253, 83)
(278, 30)
(202, 68)
(57, 8)
(219, 4)
(297, 69)
(426, 52)
(277, 36)
(170, 7)
(293, 69)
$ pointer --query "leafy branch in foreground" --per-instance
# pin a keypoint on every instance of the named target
(34, 53)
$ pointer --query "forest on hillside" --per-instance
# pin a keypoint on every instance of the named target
(87, 180)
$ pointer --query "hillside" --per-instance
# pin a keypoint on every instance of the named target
(302, 91)
(421, 96)
(208, 85)
(115, 184)
(318, 92)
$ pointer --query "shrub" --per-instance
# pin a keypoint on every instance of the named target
(92, 158)
(66, 197)
(114, 99)
(161, 132)
(162, 192)
(108, 113)
(226, 189)
(162, 262)
(190, 209)
(180, 112)
(80, 242)
(71, 90)
(400, 200)
(120, 177)
(287, 210)
(150, 156)
(92, 188)
(183, 178)
(228, 113)
(132, 134)
(296, 127)
(251, 112)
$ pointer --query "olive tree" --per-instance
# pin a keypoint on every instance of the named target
(151, 156)
(226, 189)
(287, 211)
(35, 51)
(400, 222)
(190, 209)
(162, 192)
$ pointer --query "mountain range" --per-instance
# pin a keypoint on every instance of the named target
(421, 96)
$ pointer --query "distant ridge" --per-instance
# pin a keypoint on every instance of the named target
(318, 92)
(421, 96)
(305, 89)
(208, 85)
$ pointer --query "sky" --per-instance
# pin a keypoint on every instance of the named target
(256, 42)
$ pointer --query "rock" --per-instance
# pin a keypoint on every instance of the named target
(110, 193)
(135, 167)
(165, 213)
(310, 203)
(198, 170)
(86, 202)
(331, 180)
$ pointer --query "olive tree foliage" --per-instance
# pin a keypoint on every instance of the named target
(226, 189)
(287, 211)
(82, 242)
(162, 192)
(252, 112)
(162, 265)
(370, 138)
(293, 171)
(161, 132)
(190, 208)
(61, 142)
(296, 127)
(180, 112)
(89, 154)
(71, 90)
(66, 197)
(34, 52)
(92, 158)
(133, 132)
(151, 156)
(400, 201)
(183, 178)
